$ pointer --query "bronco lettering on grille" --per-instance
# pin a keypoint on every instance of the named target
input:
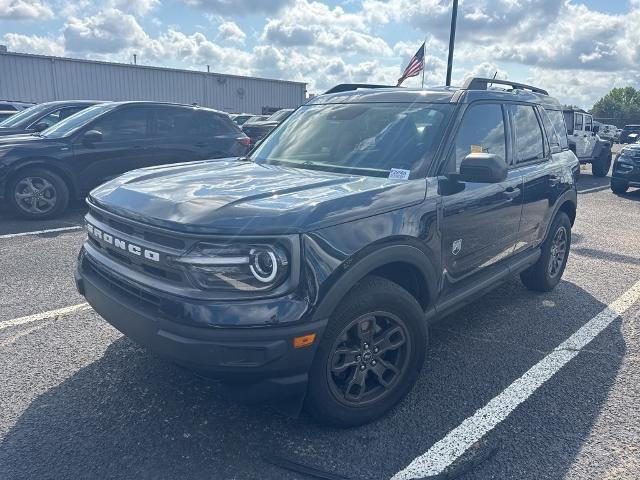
(105, 237)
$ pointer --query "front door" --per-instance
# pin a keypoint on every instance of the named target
(479, 221)
(125, 145)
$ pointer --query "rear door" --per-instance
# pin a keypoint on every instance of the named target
(533, 160)
(125, 145)
(219, 137)
(175, 135)
(480, 221)
(589, 136)
(579, 135)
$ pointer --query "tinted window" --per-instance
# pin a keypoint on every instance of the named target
(8, 107)
(70, 125)
(210, 123)
(175, 122)
(365, 139)
(122, 125)
(588, 122)
(579, 121)
(557, 120)
(529, 140)
(482, 130)
(25, 117)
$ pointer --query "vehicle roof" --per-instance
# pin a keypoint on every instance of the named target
(438, 94)
(167, 104)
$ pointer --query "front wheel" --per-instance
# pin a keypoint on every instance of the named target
(618, 186)
(545, 274)
(38, 194)
(370, 355)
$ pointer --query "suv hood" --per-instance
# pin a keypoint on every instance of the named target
(231, 196)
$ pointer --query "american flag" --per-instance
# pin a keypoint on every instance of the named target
(415, 66)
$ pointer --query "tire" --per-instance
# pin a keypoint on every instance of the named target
(618, 186)
(601, 167)
(52, 191)
(541, 276)
(399, 341)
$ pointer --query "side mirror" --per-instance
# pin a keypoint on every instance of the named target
(483, 168)
(92, 136)
(596, 129)
(40, 126)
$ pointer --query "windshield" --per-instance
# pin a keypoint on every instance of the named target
(365, 139)
(74, 122)
(25, 117)
(280, 115)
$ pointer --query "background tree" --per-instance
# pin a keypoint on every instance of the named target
(620, 106)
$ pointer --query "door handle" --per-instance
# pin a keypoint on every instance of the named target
(511, 193)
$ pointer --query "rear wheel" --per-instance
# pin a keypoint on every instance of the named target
(37, 194)
(545, 274)
(619, 186)
(370, 355)
(601, 167)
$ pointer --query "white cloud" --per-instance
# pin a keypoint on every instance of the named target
(25, 10)
(137, 7)
(33, 44)
(230, 31)
(108, 31)
(239, 7)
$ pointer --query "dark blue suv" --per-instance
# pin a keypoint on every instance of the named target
(312, 268)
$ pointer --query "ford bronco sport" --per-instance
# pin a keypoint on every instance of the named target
(312, 268)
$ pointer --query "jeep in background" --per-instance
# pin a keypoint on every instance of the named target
(630, 134)
(311, 269)
(586, 144)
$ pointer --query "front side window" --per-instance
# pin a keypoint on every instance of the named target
(588, 123)
(481, 131)
(529, 139)
(579, 121)
(124, 125)
(364, 138)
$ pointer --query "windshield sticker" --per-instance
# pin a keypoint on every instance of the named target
(399, 174)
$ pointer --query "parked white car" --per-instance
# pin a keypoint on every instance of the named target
(587, 145)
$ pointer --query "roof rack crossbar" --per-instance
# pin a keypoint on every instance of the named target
(348, 87)
(478, 83)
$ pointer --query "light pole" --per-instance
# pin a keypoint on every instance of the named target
(452, 39)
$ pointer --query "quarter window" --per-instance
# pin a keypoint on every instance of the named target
(529, 139)
(557, 119)
(482, 131)
(554, 140)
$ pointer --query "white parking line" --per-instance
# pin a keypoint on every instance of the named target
(60, 312)
(603, 187)
(37, 232)
(447, 450)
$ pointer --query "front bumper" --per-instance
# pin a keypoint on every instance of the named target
(259, 363)
(627, 172)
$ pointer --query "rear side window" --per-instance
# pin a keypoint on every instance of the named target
(211, 123)
(588, 123)
(529, 140)
(557, 120)
(481, 131)
(123, 125)
(579, 121)
(175, 122)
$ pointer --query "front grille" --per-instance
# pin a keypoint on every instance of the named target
(122, 288)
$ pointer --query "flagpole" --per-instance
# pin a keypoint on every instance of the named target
(424, 54)
(452, 40)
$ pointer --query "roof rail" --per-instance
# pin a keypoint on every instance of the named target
(478, 83)
(347, 87)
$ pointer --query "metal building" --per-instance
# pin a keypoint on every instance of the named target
(40, 78)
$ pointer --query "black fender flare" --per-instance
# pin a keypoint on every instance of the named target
(600, 147)
(395, 253)
(568, 196)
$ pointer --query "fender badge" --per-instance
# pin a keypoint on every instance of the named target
(456, 247)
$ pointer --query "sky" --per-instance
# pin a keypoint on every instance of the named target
(577, 50)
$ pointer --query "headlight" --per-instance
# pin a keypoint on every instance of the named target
(247, 267)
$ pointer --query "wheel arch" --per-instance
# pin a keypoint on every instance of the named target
(405, 265)
(66, 176)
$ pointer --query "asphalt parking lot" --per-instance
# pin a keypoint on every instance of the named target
(79, 400)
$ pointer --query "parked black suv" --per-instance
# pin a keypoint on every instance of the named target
(257, 130)
(626, 169)
(313, 268)
(41, 116)
(40, 172)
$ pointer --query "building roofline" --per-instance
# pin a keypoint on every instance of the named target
(149, 67)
